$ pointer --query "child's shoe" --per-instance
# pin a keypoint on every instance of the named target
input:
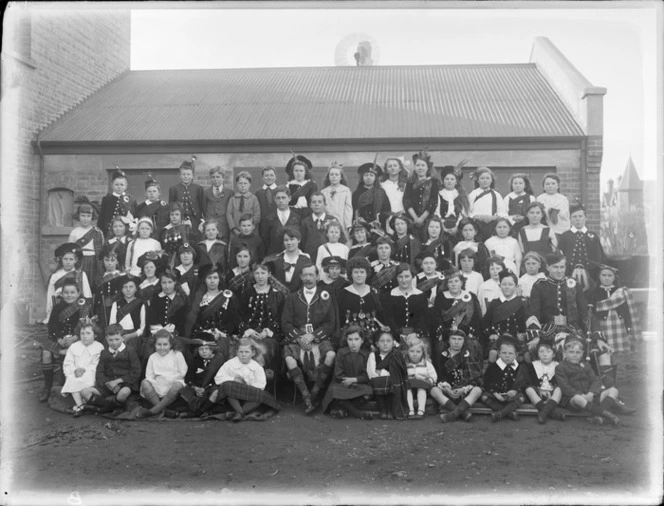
(558, 414)
(467, 416)
(366, 416)
(46, 393)
(447, 417)
(621, 408)
(514, 416)
(595, 420)
(496, 416)
(338, 413)
(144, 413)
(611, 417)
(238, 417)
(419, 415)
(78, 410)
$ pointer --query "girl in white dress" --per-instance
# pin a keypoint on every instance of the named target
(142, 244)
(502, 244)
(393, 181)
(338, 196)
(556, 205)
(332, 248)
(164, 375)
(80, 365)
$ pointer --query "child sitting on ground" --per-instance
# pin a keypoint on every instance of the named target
(80, 364)
(387, 372)
(118, 373)
(502, 393)
(350, 385)
(164, 376)
(581, 388)
(200, 376)
(460, 379)
(541, 385)
(421, 377)
(243, 379)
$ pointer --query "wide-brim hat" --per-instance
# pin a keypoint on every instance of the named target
(206, 338)
(299, 158)
(69, 247)
(333, 260)
(370, 167)
(116, 249)
(156, 257)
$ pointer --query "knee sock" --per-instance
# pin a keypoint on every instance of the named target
(491, 403)
(152, 397)
(539, 405)
(323, 373)
(421, 399)
(512, 406)
(607, 375)
(594, 409)
(409, 397)
(607, 403)
(449, 406)
(47, 372)
(298, 378)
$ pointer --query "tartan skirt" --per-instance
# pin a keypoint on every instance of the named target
(418, 383)
(341, 392)
(90, 265)
(617, 335)
(240, 391)
(382, 385)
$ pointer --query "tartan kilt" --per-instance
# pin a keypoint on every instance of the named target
(616, 333)
(293, 350)
(382, 385)
(418, 383)
(188, 394)
(338, 391)
(240, 391)
(90, 265)
(106, 392)
(48, 345)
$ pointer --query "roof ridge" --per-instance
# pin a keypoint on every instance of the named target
(330, 67)
(122, 74)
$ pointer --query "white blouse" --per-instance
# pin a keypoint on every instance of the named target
(252, 373)
(394, 195)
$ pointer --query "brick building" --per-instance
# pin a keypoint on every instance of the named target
(52, 60)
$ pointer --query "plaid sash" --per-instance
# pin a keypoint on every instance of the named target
(384, 276)
(92, 235)
(369, 197)
(75, 274)
(127, 308)
(214, 306)
(395, 363)
(459, 308)
(176, 304)
(518, 205)
(494, 204)
(240, 280)
(69, 311)
(427, 284)
(362, 252)
(278, 285)
(613, 326)
(506, 309)
(301, 191)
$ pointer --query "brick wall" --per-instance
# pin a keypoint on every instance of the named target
(594, 153)
(72, 52)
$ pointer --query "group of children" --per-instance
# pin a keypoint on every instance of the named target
(190, 304)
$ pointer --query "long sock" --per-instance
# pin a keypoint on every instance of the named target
(421, 399)
(492, 403)
(409, 397)
(607, 403)
(152, 397)
(298, 378)
(47, 372)
(449, 406)
(607, 374)
(539, 405)
(512, 406)
(594, 409)
(349, 406)
(165, 402)
(322, 374)
(461, 408)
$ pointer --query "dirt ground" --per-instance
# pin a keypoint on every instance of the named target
(328, 459)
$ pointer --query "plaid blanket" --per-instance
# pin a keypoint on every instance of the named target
(244, 392)
(620, 337)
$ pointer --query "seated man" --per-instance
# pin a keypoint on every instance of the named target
(308, 322)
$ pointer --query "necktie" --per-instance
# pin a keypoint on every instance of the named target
(216, 191)
(241, 204)
(268, 195)
(288, 266)
(318, 223)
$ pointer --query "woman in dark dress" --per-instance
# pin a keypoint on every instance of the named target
(369, 200)
(240, 278)
(152, 265)
(406, 245)
(300, 185)
(214, 309)
(261, 307)
(420, 198)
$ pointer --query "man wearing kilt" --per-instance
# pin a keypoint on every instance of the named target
(308, 322)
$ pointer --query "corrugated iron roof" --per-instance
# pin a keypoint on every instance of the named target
(433, 101)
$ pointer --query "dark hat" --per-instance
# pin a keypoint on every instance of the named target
(360, 223)
(207, 269)
(333, 260)
(151, 181)
(596, 268)
(299, 158)
(370, 167)
(69, 247)
(156, 257)
(452, 169)
(423, 155)
(576, 207)
(127, 276)
(191, 165)
(116, 249)
(205, 338)
(118, 174)
(187, 246)
(402, 216)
